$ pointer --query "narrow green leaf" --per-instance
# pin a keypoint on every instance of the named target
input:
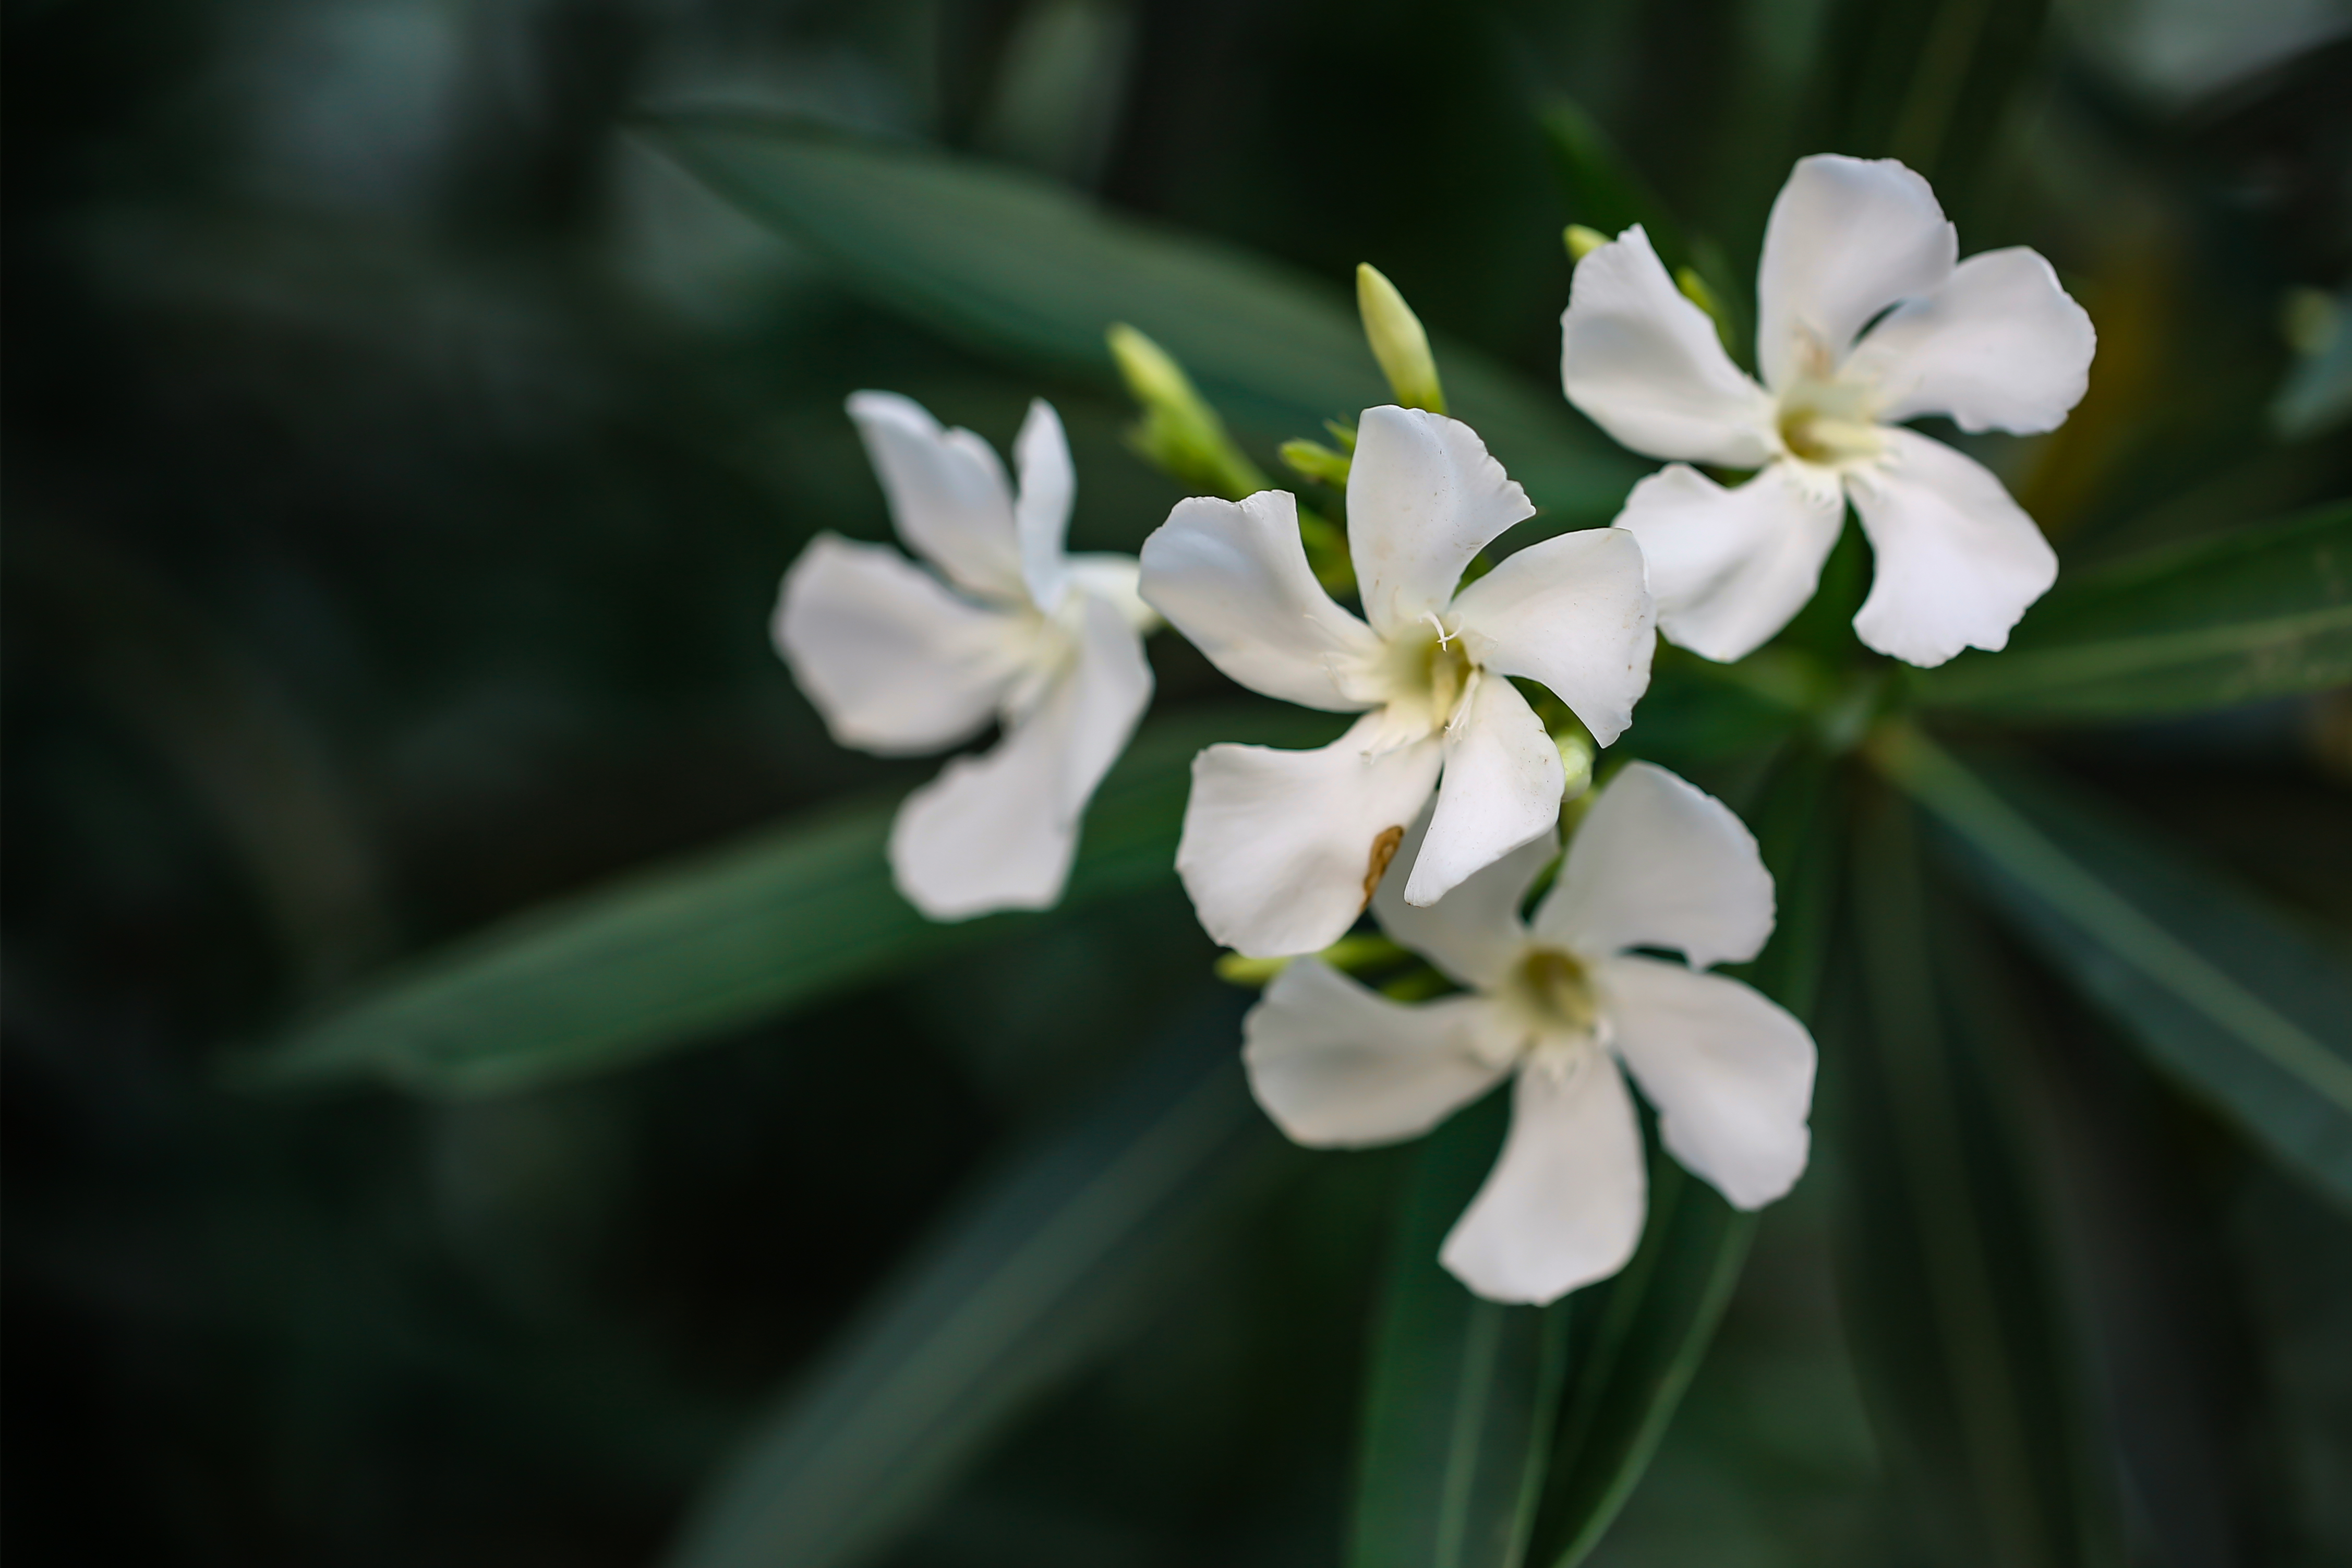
(2261, 613)
(671, 956)
(1945, 1271)
(1638, 1339)
(1045, 1269)
(1462, 1394)
(1016, 266)
(1602, 189)
(2226, 996)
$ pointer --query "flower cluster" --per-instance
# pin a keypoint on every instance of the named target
(1439, 809)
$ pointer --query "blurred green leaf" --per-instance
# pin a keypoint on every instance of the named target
(1947, 1282)
(671, 956)
(1066, 1250)
(1462, 1394)
(1016, 266)
(2227, 995)
(2259, 613)
(1601, 187)
(1639, 1337)
(1927, 82)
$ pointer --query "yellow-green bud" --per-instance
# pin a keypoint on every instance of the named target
(1311, 461)
(1398, 341)
(1180, 432)
(1581, 241)
(1694, 288)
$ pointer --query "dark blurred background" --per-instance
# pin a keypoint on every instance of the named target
(401, 463)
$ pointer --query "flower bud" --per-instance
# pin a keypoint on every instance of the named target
(1312, 460)
(1398, 341)
(1694, 288)
(1581, 241)
(1180, 432)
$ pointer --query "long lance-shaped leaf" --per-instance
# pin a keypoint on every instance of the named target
(1046, 1268)
(2226, 996)
(669, 957)
(1950, 1296)
(2261, 612)
(1017, 267)
(1462, 1394)
(1639, 1339)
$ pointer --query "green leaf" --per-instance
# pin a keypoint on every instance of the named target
(1462, 1394)
(2226, 996)
(1052, 1262)
(1639, 1339)
(671, 956)
(1603, 191)
(2260, 613)
(1021, 267)
(1946, 1278)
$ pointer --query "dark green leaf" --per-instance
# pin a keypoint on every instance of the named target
(1462, 1393)
(1602, 190)
(2255, 614)
(1046, 1268)
(1949, 1290)
(670, 956)
(2225, 995)
(1639, 1337)
(1019, 267)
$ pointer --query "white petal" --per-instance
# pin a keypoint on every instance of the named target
(1731, 1071)
(1282, 849)
(1233, 577)
(1115, 579)
(1423, 496)
(1847, 238)
(1956, 561)
(1573, 612)
(1041, 512)
(1473, 933)
(947, 491)
(998, 831)
(1644, 363)
(1501, 789)
(1339, 1066)
(1658, 862)
(1729, 568)
(2000, 346)
(1563, 1206)
(895, 662)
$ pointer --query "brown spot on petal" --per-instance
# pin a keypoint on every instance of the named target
(1384, 848)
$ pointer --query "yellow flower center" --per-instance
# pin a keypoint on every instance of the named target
(1429, 671)
(1553, 989)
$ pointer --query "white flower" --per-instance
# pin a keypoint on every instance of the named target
(1561, 1002)
(1282, 849)
(1048, 645)
(1864, 320)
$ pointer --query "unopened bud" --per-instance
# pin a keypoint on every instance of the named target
(1398, 341)
(1581, 241)
(1180, 432)
(1694, 288)
(1312, 460)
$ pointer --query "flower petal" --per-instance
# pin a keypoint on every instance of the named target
(1281, 849)
(947, 491)
(1501, 789)
(895, 662)
(1473, 933)
(1423, 496)
(1956, 561)
(1731, 1071)
(998, 831)
(1730, 567)
(1574, 612)
(1847, 238)
(1644, 363)
(1339, 1066)
(1041, 510)
(1114, 579)
(1999, 346)
(1563, 1205)
(1233, 577)
(1658, 862)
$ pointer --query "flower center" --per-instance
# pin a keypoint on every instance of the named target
(1554, 989)
(1829, 422)
(1429, 670)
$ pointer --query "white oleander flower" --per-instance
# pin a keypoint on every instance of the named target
(1561, 1002)
(1048, 645)
(1281, 850)
(1863, 321)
